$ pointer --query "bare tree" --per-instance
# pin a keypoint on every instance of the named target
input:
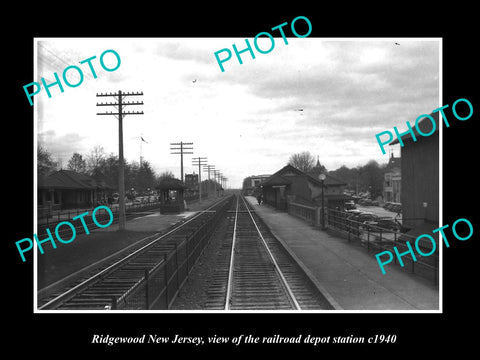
(303, 161)
(95, 159)
(45, 162)
(77, 163)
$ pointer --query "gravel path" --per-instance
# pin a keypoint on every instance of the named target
(193, 295)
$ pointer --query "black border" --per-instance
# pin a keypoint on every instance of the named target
(69, 334)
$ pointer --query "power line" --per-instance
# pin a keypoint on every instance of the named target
(208, 168)
(216, 173)
(182, 149)
(199, 161)
(119, 105)
(48, 61)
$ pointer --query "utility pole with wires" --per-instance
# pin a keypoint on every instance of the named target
(199, 161)
(182, 149)
(216, 174)
(224, 182)
(119, 105)
(208, 168)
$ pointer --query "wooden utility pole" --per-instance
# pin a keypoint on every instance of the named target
(119, 106)
(208, 168)
(216, 174)
(182, 149)
(199, 161)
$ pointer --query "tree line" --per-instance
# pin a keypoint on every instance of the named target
(101, 165)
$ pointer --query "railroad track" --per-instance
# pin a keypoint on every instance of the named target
(148, 277)
(255, 272)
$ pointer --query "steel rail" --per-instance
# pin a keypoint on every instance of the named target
(272, 258)
(67, 295)
(232, 253)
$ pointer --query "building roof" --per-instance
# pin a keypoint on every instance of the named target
(276, 180)
(394, 162)
(259, 176)
(69, 179)
(329, 180)
(280, 174)
(425, 126)
(171, 184)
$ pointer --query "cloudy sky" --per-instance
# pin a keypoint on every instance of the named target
(246, 119)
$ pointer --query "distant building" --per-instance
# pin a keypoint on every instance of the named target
(191, 181)
(392, 183)
(251, 184)
(420, 177)
(317, 169)
(290, 184)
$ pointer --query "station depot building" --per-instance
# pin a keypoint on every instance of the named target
(67, 189)
(291, 185)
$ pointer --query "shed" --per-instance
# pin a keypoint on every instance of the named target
(171, 196)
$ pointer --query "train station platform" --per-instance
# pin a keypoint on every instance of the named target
(348, 275)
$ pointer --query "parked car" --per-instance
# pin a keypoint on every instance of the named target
(393, 206)
(367, 218)
(396, 207)
(363, 216)
(350, 205)
(365, 202)
(386, 223)
(389, 224)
